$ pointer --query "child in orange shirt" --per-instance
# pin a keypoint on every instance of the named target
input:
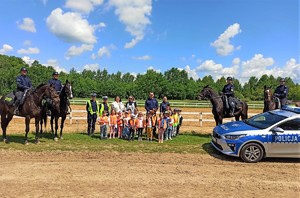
(103, 121)
(162, 125)
(149, 126)
(112, 123)
(139, 125)
(131, 127)
(120, 124)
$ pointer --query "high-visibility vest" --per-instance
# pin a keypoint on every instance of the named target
(90, 109)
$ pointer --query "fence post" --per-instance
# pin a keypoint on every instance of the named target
(200, 119)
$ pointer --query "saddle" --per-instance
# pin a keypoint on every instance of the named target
(10, 98)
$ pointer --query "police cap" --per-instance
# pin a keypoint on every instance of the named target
(54, 73)
(23, 69)
(282, 79)
(93, 94)
(104, 97)
(229, 78)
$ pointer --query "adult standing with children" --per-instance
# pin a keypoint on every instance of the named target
(92, 108)
(151, 103)
(163, 105)
(118, 105)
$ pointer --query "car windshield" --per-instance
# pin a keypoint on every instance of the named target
(264, 120)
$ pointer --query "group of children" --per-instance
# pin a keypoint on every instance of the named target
(128, 124)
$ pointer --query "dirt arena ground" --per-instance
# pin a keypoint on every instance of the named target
(89, 174)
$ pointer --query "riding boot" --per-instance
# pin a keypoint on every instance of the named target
(232, 111)
(16, 111)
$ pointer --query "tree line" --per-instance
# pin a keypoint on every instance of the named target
(173, 83)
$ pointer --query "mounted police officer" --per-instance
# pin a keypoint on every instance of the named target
(281, 92)
(23, 85)
(58, 87)
(228, 91)
(56, 82)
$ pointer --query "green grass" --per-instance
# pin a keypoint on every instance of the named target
(186, 143)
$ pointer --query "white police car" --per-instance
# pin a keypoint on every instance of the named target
(271, 134)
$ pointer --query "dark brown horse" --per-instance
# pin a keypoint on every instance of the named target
(65, 94)
(218, 106)
(269, 103)
(30, 109)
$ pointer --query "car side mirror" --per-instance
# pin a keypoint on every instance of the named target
(277, 130)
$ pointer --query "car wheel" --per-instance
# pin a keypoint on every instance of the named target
(252, 153)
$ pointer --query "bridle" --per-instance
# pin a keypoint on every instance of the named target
(207, 94)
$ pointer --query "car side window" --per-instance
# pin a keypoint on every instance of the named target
(291, 125)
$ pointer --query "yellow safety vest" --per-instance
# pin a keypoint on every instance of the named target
(90, 109)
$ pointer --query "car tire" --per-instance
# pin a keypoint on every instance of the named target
(252, 153)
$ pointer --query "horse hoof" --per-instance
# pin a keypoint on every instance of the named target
(26, 143)
(5, 140)
(37, 142)
(61, 138)
(55, 139)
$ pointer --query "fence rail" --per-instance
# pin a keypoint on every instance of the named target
(178, 104)
(199, 116)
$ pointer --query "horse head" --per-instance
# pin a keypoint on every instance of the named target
(268, 93)
(206, 93)
(68, 89)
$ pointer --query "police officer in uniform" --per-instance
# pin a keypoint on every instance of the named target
(228, 91)
(92, 108)
(56, 82)
(281, 92)
(23, 85)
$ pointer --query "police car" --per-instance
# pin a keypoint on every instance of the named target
(271, 134)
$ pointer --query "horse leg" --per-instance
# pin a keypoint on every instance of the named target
(56, 128)
(5, 119)
(63, 118)
(51, 123)
(27, 122)
(37, 121)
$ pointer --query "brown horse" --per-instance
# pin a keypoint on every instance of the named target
(218, 106)
(269, 103)
(30, 109)
(65, 94)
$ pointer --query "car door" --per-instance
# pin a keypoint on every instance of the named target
(285, 143)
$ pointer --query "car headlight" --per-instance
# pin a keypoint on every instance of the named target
(234, 137)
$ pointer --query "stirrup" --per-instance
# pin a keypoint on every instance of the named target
(16, 112)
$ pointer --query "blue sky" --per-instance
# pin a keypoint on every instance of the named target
(239, 38)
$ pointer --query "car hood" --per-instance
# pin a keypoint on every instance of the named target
(233, 127)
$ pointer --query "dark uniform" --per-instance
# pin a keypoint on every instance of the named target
(228, 91)
(23, 85)
(92, 108)
(57, 83)
(281, 92)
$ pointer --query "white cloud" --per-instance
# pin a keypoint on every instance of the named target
(209, 65)
(100, 26)
(191, 72)
(291, 69)
(83, 6)
(27, 25)
(134, 14)
(27, 60)
(30, 50)
(71, 27)
(104, 51)
(54, 63)
(257, 66)
(146, 57)
(6, 48)
(222, 44)
(92, 67)
(152, 68)
(75, 51)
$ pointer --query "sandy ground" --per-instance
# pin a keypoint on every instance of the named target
(87, 174)
(75, 174)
